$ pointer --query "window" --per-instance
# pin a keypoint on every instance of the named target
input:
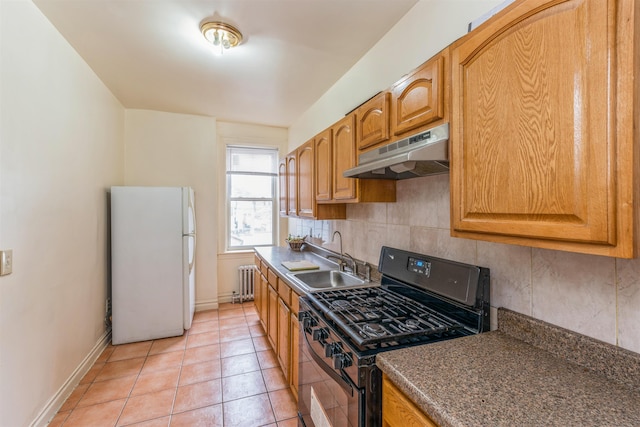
(251, 197)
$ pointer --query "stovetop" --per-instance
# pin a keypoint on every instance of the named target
(420, 299)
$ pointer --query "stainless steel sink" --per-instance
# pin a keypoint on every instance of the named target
(325, 279)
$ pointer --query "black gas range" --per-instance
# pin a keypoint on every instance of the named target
(419, 300)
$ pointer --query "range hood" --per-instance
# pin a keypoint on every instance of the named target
(426, 153)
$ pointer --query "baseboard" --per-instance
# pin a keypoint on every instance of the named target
(56, 402)
(211, 304)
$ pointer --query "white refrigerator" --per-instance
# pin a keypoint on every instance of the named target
(153, 242)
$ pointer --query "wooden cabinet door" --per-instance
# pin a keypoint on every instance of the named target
(399, 411)
(305, 178)
(372, 122)
(418, 98)
(284, 338)
(295, 344)
(322, 147)
(539, 155)
(283, 187)
(264, 302)
(344, 157)
(272, 327)
(292, 185)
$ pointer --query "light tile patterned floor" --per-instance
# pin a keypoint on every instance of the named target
(221, 373)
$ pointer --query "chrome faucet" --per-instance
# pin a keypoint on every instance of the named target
(354, 265)
(334, 237)
(341, 262)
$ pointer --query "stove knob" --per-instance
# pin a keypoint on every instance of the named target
(341, 360)
(329, 349)
(320, 334)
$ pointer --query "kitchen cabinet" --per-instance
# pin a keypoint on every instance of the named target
(543, 147)
(292, 184)
(264, 302)
(399, 411)
(272, 316)
(283, 186)
(372, 122)
(418, 100)
(295, 343)
(301, 186)
(322, 146)
(335, 153)
(284, 338)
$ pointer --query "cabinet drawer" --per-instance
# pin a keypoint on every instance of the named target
(273, 279)
(257, 261)
(264, 269)
(285, 292)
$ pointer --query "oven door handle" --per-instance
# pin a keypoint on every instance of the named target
(345, 383)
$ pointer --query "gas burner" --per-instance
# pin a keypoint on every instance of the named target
(412, 323)
(340, 304)
(374, 330)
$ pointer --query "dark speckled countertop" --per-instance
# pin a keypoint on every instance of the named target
(527, 373)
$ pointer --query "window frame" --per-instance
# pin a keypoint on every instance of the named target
(229, 200)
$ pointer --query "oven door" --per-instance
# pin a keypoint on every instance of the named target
(326, 396)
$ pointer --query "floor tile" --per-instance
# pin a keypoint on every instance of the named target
(162, 361)
(211, 416)
(92, 373)
(236, 348)
(261, 343)
(232, 323)
(235, 334)
(237, 413)
(198, 395)
(239, 365)
(105, 391)
(274, 379)
(130, 351)
(74, 397)
(167, 345)
(233, 312)
(291, 422)
(199, 372)
(156, 381)
(59, 419)
(147, 407)
(243, 385)
(105, 354)
(267, 359)
(201, 354)
(283, 404)
(157, 422)
(103, 414)
(121, 368)
(256, 330)
(201, 316)
(206, 326)
(205, 338)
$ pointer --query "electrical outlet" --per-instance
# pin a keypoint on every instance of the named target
(6, 262)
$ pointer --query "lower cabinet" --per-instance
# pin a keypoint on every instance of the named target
(284, 337)
(277, 305)
(399, 411)
(272, 324)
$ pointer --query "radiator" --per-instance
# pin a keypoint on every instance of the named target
(245, 280)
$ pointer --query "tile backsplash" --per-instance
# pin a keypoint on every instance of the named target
(592, 295)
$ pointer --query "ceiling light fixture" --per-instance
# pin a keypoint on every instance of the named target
(221, 35)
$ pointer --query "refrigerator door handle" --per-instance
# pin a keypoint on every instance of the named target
(193, 258)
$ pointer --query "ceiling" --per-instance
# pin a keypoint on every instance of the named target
(151, 54)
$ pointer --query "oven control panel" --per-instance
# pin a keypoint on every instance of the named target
(419, 266)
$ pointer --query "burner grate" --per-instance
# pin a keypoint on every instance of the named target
(373, 316)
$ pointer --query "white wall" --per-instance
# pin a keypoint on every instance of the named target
(61, 136)
(596, 296)
(168, 149)
(246, 135)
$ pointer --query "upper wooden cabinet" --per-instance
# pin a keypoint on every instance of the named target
(335, 151)
(292, 184)
(343, 158)
(305, 180)
(322, 146)
(418, 99)
(283, 185)
(542, 120)
(372, 122)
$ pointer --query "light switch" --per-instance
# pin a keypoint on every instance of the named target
(6, 262)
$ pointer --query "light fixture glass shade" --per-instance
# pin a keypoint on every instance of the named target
(221, 35)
